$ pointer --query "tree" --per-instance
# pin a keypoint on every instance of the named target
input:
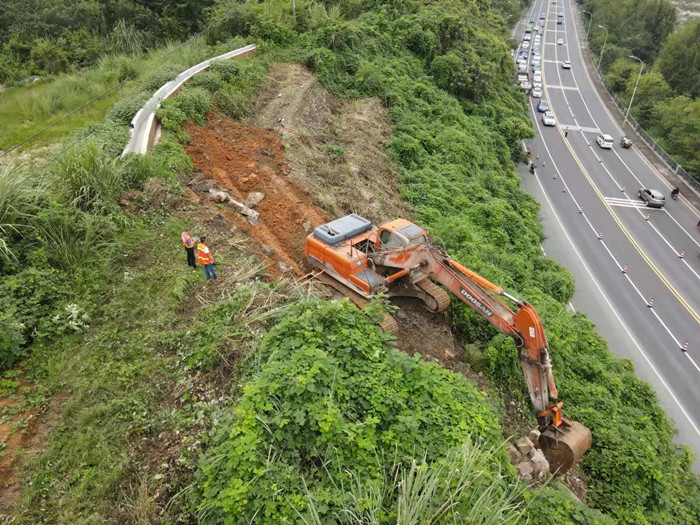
(618, 74)
(652, 90)
(678, 120)
(679, 60)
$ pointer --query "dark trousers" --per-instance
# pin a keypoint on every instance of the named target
(191, 261)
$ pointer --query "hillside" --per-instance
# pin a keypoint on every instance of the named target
(146, 394)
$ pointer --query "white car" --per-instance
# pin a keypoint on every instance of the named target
(548, 119)
(526, 45)
(537, 85)
(522, 66)
(604, 141)
(537, 77)
(527, 36)
(536, 92)
(566, 64)
(560, 42)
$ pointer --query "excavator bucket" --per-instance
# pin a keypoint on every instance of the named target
(563, 447)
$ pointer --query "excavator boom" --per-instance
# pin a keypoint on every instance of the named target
(398, 259)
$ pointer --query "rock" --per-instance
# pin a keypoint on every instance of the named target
(524, 445)
(201, 186)
(218, 195)
(513, 454)
(284, 268)
(268, 250)
(401, 314)
(306, 226)
(541, 462)
(207, 157)
(525, 469)
(534, 435)
(254, 198)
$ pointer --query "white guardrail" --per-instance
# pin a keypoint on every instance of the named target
(142, 129)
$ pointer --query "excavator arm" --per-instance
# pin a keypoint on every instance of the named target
(524, 326)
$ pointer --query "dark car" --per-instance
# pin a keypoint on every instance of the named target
(653, 198)
(542, 106)
(625, 142)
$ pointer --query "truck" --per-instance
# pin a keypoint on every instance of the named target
(523, 79)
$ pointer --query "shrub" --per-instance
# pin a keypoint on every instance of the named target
(207, 80)
(11, 340)
(332, 394)
(124, 110)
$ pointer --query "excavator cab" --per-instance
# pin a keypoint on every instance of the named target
(400, 233)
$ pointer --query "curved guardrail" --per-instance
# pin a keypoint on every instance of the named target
(142, 129)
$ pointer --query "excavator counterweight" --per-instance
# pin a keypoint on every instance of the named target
(398, 259)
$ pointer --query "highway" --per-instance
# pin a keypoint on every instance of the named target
(637, 269)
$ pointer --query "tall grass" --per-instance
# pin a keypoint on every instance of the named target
(464, 487)
(20, 195)
(90, 180)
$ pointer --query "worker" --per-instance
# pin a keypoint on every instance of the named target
(205, 258)
(188, 242)
(674, 193)
(532, 168)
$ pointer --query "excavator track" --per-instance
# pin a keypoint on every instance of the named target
(388, 323)
(437, 300)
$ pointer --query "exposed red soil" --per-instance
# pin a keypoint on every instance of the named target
(24, 436)
(244, 159)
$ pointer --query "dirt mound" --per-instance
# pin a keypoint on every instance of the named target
(244, 159)
(337, 149)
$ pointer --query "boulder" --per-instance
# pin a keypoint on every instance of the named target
(306, 226)
(524, 445)
(514, 455)
(525, 470)
(254, 198)
(541, 462)
(284, 268)
(534, 435)
(268, 250)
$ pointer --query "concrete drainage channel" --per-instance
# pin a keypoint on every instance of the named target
(144, 127)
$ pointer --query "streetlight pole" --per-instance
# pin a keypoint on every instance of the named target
(590, 19)
(600, 62)
(635, 89)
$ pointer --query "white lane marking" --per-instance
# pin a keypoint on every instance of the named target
(560, 87)
(614, 311)
(674, 249)
(614, 201)
(597, 233)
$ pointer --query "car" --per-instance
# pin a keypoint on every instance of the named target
(542, 106)
(541, 17)
(653, 198)
(526, 45)
(548, 119)
(604, 141)
(566, 64)
(522, 66)
(536, 92)
(560, 42)
(537, 77)
(523, 55)
(536, 84)
(527, 36)
(625, 142)
(535, 62)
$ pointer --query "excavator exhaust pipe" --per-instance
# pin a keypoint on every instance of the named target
(565, 446)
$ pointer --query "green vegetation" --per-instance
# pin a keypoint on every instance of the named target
(666, 102)
(55, 36)
(231, 406)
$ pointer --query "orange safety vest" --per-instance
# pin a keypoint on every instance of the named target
(187, 240)
(203, 254)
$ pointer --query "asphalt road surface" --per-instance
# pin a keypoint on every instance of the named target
(623, 255)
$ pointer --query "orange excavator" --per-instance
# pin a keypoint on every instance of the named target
(398, 259)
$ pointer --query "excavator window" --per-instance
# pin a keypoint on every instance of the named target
(418, 240)
(390, 240)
